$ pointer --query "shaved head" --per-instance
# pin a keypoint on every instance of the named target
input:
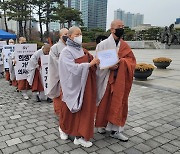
(117, 24)
(73, 29)
(22, 40)
(63, 31)
(46, 49)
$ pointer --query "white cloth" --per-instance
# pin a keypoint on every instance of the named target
(53, 75)
(103, 76)
(73, 77)
(32, 65)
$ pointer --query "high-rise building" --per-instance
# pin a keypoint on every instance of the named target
(131, 20)
(94, 13)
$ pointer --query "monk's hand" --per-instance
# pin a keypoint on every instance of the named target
(114, 67)
(95, 61)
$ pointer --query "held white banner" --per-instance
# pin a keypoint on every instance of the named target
(23, 53)
(2, 43)
(44, 66)
(107, 58)
(7, 52)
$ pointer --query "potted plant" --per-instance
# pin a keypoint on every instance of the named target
(162, 62)
(143, 71)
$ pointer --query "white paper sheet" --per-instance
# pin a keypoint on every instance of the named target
(107, 58)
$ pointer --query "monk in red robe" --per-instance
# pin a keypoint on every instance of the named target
(78, 84)
(114, 84)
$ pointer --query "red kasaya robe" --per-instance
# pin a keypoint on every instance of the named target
(113, 107)
(37, 85)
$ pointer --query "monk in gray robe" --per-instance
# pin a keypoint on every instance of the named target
(77, 73)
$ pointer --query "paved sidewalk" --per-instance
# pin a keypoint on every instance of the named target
(153, 125)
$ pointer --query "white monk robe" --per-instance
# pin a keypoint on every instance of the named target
(73, 78)
(53, 74)
(103, 76)
(32, 66)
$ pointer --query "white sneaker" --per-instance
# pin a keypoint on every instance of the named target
(25, 96)
(119, 136)
(63, 135)
(101, 130)
(82, 142)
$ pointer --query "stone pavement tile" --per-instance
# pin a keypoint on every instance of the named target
(110, 140)
(17, 134)
(130, 133)
(78, 151)
(147, 127)
(21, 123)
(50, 144)
(127, 144)
(27, 137)
(63, 148)
(3, 145)
(28, 131)
(41, 123)
(7, 131)
(10, 126)
(169, 136)
(154, 124)
(175, 132)
(160, 151)
(4, 138)
(143, 147)
(37, 149)
(51, 137)
(39, 134)
(105, 151)
(19, 128)
(98, 136)
(161, 139)
(9, 150)
(136, 139)
(175, 143)
(15, 116)
(145, 136)
(51, 131)
(38, 141)
(26, 151)
(31, 125)
(101, 143)
(169, 147)
(116, 147)
(40, 128)
(153, 132)
(132, 151)
(25, 145)
(152, 143)
(90, 149)
(175, 123)
(13, 141)
(139, 129)
(50, 151)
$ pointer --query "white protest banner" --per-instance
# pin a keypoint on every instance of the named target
(44, 66)
(107, 58)
(23, 53)
(2, 43)
(7, 51)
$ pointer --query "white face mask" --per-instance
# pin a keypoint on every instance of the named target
(78, 39)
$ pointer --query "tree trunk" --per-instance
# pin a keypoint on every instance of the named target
(5, 20)
(40, 23)
(20, 28)
(30, 24)
(25, 30)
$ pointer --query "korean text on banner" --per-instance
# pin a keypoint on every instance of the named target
(23, 53)
(44, 65)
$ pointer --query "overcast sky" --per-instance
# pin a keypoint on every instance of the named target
(156, 12)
